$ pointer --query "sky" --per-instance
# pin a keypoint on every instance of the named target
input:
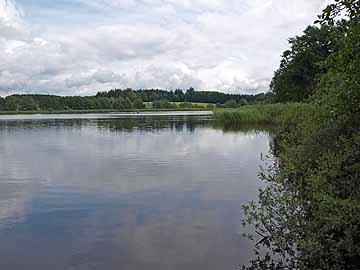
(80, 47)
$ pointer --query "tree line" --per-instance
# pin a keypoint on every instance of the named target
(130, 99)
(52, 102)
(190, 95)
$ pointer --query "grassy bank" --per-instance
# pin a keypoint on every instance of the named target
(98, 111)
(259, 114)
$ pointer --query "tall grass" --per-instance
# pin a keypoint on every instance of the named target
(260, 114)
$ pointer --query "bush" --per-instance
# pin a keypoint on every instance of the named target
(308, 214)
(231, 103)
(138, 104)
(185, 105)
(163, 104)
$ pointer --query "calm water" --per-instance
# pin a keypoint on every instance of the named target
(124, 192)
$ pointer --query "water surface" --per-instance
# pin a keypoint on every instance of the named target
(124, 192)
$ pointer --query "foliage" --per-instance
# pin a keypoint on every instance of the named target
(185, 105)
(243, 102)
(262, 98)
(308, 215)
(301, 65)
(163, 104)
(16, 103)
(190, 95)
(118, 104)
(127, 103)
(2, 103)
(127, 99)
(333, 11)
(138, 104)
(231, 103)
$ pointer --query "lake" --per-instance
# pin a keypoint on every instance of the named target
(124, 191)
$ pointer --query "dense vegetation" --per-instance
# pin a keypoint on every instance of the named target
(130, 99)
(308, 215)
(301, 66)
(190, 95)
(261, 114)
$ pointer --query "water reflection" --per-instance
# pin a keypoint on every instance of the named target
(147, 192)
(146, 123)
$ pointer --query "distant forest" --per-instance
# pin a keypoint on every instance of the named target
(118, 99)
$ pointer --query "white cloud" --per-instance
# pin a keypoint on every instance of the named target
(227, 45)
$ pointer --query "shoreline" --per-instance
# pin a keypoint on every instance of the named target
(101, 111)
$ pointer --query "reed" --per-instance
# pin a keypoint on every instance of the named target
(260, 114)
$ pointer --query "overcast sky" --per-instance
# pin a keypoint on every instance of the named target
(84, 46)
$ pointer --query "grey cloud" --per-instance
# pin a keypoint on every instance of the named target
(101, 77)
(227, 45)
(107, 76)
(166, 76)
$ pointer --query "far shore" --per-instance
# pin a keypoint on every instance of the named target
(99, 111)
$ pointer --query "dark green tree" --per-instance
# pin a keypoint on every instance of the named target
(332, 13)
(10, 103)
(138, 104)
(243, 102)
(301, 66)
(2, 103)
(20, 103)
(128, 104)
(231, 103)
(308, 215)
(163, 104)
(179, 95)
(150, 95)
(119, 104)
